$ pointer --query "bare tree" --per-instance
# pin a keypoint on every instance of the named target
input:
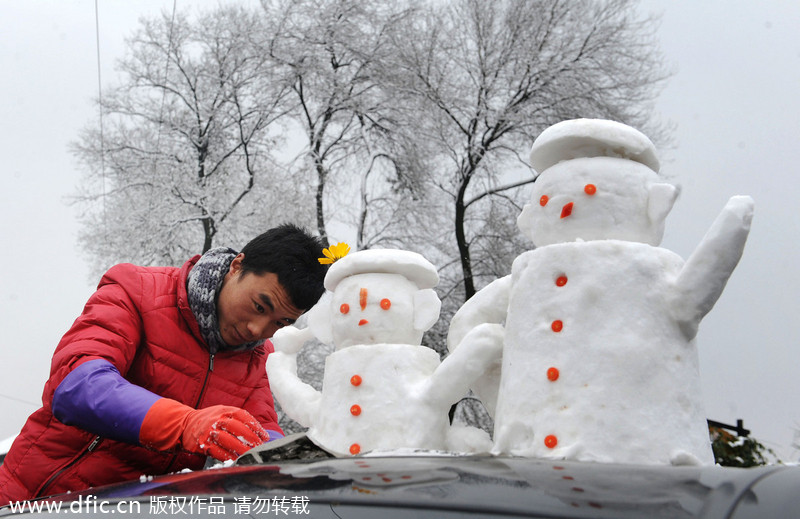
(184, 158)
(329, 50)
(482, 79)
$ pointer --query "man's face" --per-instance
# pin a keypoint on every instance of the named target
(252, 306)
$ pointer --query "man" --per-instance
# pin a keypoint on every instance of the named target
(164, 367)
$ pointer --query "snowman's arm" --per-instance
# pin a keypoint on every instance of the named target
(488, 305)
(300, 401)
(479, 351)
(291, 339)
(703, 277)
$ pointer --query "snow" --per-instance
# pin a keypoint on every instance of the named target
(576, 138)
(381, 389)
(409, 265)
(599, 358)
(629, 204)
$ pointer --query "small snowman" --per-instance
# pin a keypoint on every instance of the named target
(599, 359)
(381, 389)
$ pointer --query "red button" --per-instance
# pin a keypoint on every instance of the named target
(561, 281)
(355, 449)
(552, 374)
(355, 410)
(557, 326)
(355, 380)
(550, 441)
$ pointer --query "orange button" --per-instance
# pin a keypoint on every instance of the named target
(557, 326)
(561, 281)
(550, 441)
(543, 201)
(552, 374)
(355, 449)
(355, 410)
(355, 380)
(590, 189)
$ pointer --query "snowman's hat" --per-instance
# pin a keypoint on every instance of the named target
(409, 264)
(579, 138)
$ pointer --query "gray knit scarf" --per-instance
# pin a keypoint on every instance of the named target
(203, 286)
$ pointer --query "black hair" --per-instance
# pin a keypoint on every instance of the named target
(293, 255)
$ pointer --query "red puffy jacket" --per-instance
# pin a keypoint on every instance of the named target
(139, 320)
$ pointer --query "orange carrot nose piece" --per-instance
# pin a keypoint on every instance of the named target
(566, 210)
(362, 322)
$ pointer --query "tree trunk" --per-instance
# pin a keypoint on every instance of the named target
(322, 175)
(208, 233)
(461, 240)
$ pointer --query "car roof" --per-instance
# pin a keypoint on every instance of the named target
(426, 484)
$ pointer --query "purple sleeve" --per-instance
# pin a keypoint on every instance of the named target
(96, 398)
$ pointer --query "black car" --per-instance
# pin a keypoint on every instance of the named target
(264, 483)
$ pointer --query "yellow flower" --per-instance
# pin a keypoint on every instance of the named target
(334, 252)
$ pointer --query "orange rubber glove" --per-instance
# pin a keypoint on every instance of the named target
(220, 431)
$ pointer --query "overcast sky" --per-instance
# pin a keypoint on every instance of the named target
(733, 99)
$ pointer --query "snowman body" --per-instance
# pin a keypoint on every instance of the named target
(599, 361)
(595, 365)
(381, 390)
(375, 397)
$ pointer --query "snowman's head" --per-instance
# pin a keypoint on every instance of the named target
(381, 296)
(598, 181)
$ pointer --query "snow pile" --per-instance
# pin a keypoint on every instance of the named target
(599, 360)
(381, 389)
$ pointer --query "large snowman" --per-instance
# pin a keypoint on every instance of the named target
(599, 360)
(381, 389)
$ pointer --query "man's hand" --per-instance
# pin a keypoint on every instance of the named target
(222, 432)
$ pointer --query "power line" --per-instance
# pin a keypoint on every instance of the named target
(100, 108)
(18, 400)
(166, 76)
(154, 169)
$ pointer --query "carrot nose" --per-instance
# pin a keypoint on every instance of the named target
(566, 210)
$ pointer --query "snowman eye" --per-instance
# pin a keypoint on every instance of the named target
(543, 201)
(344, 308)
(386, 304)
(590, 189)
